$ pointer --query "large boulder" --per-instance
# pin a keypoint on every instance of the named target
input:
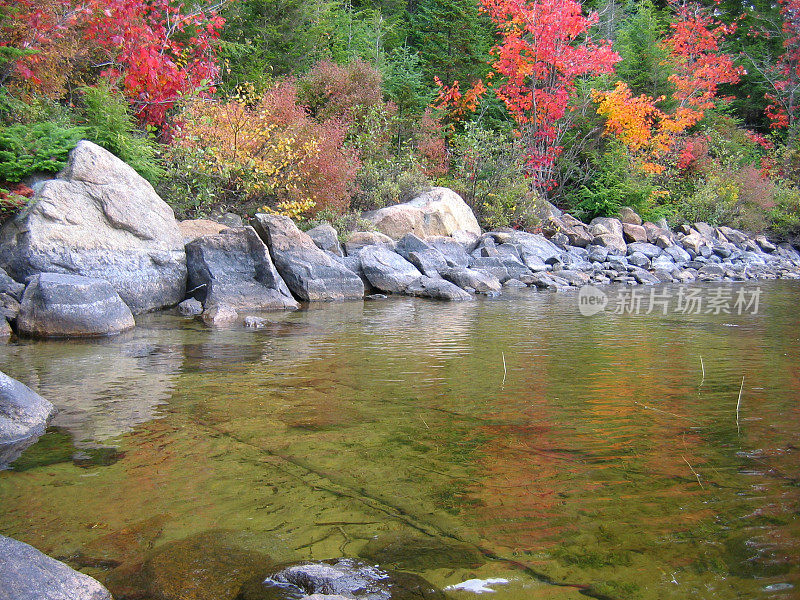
(24, 415)
(192, 229)
(233, 268)
(27, 574)
(62, 305)
(436, 288)
(100, 219)
(439, 211)
(361, 239)
(387, 270)
(310, 273)
(483, 282)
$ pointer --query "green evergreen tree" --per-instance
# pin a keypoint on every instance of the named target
(452, 37)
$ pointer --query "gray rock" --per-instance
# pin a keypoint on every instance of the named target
(514, 283)
(644, 277)
(562, 240)
(535, 244)
(190, 307)
(192, 229)
(10, 287)
(765, 244)
(649, 250)
(734, 236)
(639, 259)
(492, 265)
(410, 243)
(711, 271)
(436, 288)
(430, 262)
(597, 253)
(662, 262)
(480, 281)
(24, 415)
(533, 262)
(229, 219)
(346, 577)
(692, 243)
(358, 240)
(575, 278)
(27, 574)
(234, 268)
(677, 254)
(387, 270)
(60, 305)
(654, 232)
(5, 329)
(252, 322)
(311, 274)
(454, 252)
(9, 307)
(100, 219)
(706, 231)
(606, 226)
(613, 243)
(326, 238)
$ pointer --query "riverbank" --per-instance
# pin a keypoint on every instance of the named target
(97, 246)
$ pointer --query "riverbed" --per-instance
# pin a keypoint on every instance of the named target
(646, 454)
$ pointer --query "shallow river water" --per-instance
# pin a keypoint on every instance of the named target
(610, 455)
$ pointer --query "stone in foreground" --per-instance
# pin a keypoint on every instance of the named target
(345, 577)
(437, 288)
(234, 268)
(100, 219)
(24, 416)
(310, 273)
(60, 305)
(27, 574)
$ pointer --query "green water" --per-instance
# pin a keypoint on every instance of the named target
(579, 455)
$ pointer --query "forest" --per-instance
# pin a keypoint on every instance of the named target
(322, 109)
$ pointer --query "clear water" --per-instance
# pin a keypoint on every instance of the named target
(581, 455)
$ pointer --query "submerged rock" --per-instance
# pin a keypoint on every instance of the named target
(412, 552)
(100, 219)
(345, 577)
(212, 565)
(27, 574)
(24, 415)
(61, 305)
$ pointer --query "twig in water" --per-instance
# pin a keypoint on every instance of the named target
(504, 368)
(423, 420)
(738, 404)
(703, 368)
(693, 471)
(664, 411)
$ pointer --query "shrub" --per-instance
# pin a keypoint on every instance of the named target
(26, 149)
(268, 154)
(488, 170)
(109, 124)
(331, 91)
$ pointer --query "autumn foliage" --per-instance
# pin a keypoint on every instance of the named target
(271, 152)
(544, 48)
(155, 50)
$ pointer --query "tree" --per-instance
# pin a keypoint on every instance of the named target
(544, 48)
(452, 37)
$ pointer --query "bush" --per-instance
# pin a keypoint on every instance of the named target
(26, 149)
(109, 124)
(488, 170)
(271, 153)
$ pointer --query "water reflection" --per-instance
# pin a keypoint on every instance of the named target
(582, 455)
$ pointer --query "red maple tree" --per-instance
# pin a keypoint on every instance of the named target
(544, 48)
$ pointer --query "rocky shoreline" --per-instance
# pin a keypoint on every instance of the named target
(96, 246)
